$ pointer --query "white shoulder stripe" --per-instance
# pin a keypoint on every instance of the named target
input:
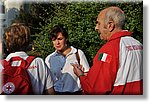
(131, 62)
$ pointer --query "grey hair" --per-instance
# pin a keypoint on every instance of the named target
(115, 14)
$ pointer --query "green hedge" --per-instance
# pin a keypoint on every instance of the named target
(79, 20)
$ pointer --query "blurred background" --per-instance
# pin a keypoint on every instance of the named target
(77, 16)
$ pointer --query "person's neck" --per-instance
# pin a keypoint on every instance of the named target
(116, 30)
(113, 32)
(66, 50)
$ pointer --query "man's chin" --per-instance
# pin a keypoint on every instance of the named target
(101, 37)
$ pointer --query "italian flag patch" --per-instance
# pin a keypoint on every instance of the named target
(104, 57)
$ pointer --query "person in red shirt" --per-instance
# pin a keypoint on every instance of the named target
(117, 66)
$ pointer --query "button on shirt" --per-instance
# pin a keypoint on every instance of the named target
(62, 71)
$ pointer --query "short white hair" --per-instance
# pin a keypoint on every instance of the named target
(115, 14)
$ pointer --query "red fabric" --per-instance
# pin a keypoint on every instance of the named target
(102, 75)
(132, 88)
(15, 78)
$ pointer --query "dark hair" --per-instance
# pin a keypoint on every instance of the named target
(57, 29)
(17, 37)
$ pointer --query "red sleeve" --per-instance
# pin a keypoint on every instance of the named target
(101, 77)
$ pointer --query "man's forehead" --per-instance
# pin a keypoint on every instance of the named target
(101, 15)
(98, 18)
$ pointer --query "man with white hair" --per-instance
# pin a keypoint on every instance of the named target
(117, 66)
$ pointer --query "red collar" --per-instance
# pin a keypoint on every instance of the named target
(120, 34)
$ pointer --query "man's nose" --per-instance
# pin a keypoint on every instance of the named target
(96, 28)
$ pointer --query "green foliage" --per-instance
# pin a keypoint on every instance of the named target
(79, 19)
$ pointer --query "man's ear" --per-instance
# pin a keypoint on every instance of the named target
(111, 26)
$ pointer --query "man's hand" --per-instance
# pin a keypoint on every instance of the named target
(78, 70)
